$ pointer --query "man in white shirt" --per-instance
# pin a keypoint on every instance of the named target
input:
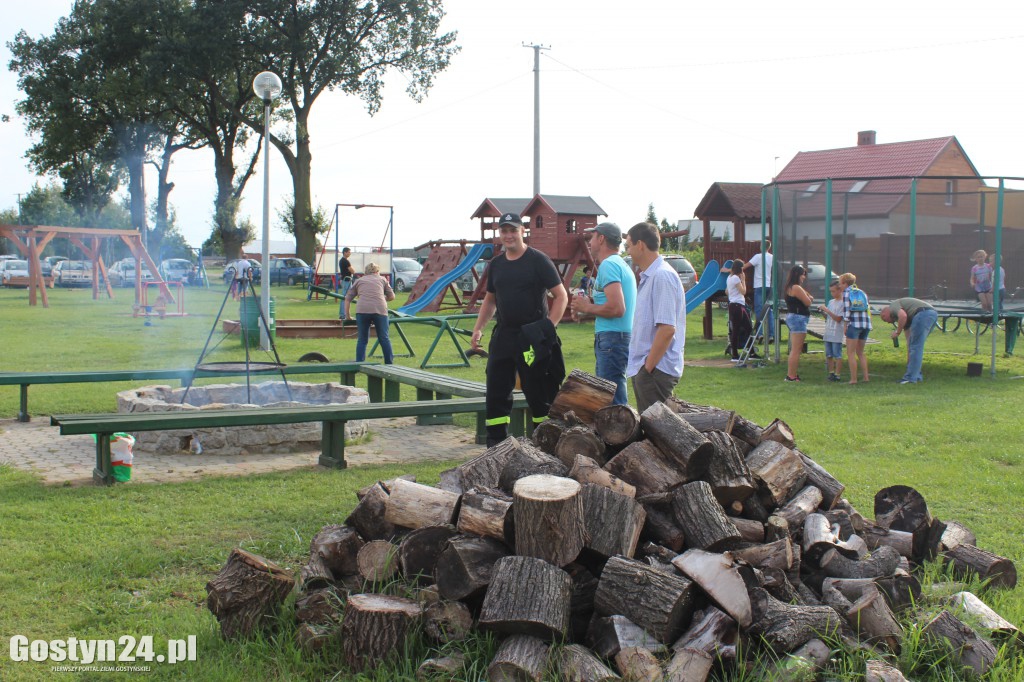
(763, 270)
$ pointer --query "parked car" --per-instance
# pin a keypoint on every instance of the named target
(255, 272)
(122, 273)
(289, 271)
(73, 273)
(816, 283)
(685, 270)
(180, 270)
(406, 270)
(14, 273)
(53, 260)
(466, 282)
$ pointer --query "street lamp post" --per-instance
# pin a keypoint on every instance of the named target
(267, 86)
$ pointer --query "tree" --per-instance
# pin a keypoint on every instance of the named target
(321, 45)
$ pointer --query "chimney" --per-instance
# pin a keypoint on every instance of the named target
(865, 138)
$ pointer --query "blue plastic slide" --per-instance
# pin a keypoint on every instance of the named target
(710, 283)
(442, 282)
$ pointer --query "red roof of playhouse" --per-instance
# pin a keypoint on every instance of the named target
(495, 208)
(564, 205)
(866, 160)
(732, 200)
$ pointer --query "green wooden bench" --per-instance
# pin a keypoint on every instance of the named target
(333, 417)
(346, 370)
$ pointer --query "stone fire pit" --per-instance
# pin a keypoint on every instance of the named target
(239, 440)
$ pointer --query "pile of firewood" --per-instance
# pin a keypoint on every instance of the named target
(653, 546)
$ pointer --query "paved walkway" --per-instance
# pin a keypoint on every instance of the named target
(39, 447)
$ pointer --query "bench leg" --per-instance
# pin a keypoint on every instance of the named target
(481, 428)
(23, 406)
(432, 419)
(375, 388)
(332, 445)
(392, 391)
(103, 474)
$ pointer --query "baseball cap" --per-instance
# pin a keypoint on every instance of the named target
(610, 231)
(510, 219)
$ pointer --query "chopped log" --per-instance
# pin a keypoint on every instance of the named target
(447, 621)
(778, 554)
(482, 471)
(320, 607)
(719, 579)
(586, 470)
(445, 667)
(617, 425)
(755, 510)
(577, 663)
(728, 474)
(527, 596)
(486, 512)
(312, 637)
(780, 470)
(777, 584)
(871, 617)
(900, 590)
(712, 631)
(419, 550)
(609, 635)
(877, 536)
(839, 518)
(414, 505)
(831, 489)
(689, 665)
(750, 531)
(779, 432)
(652, 550)
(702, 518)
(684, 446)
(547, 433)
(659, 603)
(338, 545)
(932, 541)
(377, 560)
(637, 664)
(742, 446)
(799, 506)
(712, 420)
(529, 460)
(900, 507)
(465, 566)
(375, 628)
(747, 431)
(315, 575)
(644, 466)
(612, 521)
(785, 627)
(877, 670)
(425, 596)
(802, 664)
(661, 527)
(969, 560)
(519, 658)
(584, 394)
(832, 596)
(579, 440)
(882, 562)
(776, 528)
(819, 537)
(856, 518)
(361, 493)
(368, 516)
(581, 603)
(246, 594)
(548, 512)
(971, 649)
(957, 534)
(986, 617)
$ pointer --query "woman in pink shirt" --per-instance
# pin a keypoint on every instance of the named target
(373, 292)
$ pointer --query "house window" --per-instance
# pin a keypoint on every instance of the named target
(858, 186)
(811, 189)
(950, 192)
(570, 226)
(539, 222)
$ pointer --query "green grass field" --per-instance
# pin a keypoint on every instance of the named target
(134, 559)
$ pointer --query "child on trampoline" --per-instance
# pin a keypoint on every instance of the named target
(834, 331)
(981, 279)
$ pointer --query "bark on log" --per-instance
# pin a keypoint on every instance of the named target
(579, 440)
(578, 664)
(778, 554)
(482, 471)
(413, 505)
(637, 664)
(361, 493)
(747, 431)
(971, 649)
(702, 518)
(375, 628)
(831, 489)
(719, 579)
(584, 394)
(315, 575)
(465, 567)
(900, 507)
(712, 420)
(487, 512)
(644, 466)
(519, 658)
(970, 560)
(612, 521)
(246, 594)
(779, 432)
(683, 445)
(871, 617)
(377, 560)
(882, 562)
(609, 635)
(529, 460)
(586, 470)
(320, 607)
(338, 546)
(957, 534)
(527, 596)
(445, 667)
(711, 631)
(877, 670)
(659, 603)
(547, 433)
(728, 474)
(617, 425)
(799, 506)
(780, 470)
(986, 617)
(419, 550)
(549, 520)
(776, 528)
(447, 621)
(661, 528)
(785, 627)
(750, 531)
(581, 602)
(900, 591)
(877, 536)
(755, 510)
(368, 516)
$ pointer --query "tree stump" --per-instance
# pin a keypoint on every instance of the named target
(548, 512)
(702, 518)
(377, 560)
(520, 658)
(419, 550)
(338, 545)
(413, 505)
(660, 603)
(683, 445)
(486, 512)
(971, 649)
(612, 521)
(584, 394)
(609, 635)
(246, 594)
(784, 627)
(480, 472)
(617, 425)
(968, 559)
(375, 628)
(527, 596)
(465, 567)
(728, 474)
(579, 440)
(529, 460)
(447, 621)
(644, 466)
(368, 516)
(780, 470)
(586, 470)
(578, 664)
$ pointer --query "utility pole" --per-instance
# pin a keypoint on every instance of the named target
(536, 115)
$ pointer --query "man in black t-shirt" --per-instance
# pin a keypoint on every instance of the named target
(345, 272)
(518, 283)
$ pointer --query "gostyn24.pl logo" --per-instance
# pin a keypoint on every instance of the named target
(125, 649)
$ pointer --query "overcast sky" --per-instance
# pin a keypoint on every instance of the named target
(641, 102)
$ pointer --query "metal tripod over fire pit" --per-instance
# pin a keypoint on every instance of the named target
(249, 366)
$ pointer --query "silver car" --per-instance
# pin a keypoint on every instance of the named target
(14, 273)
(406, 270)
(122, 273)
(685, 270)
(73, 273)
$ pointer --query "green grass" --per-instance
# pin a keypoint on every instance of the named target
(134, 559)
